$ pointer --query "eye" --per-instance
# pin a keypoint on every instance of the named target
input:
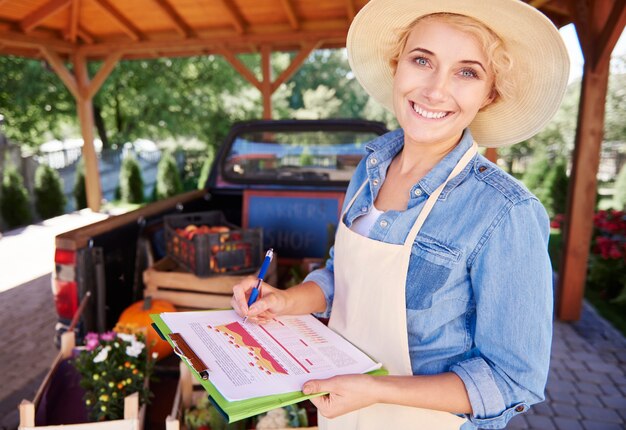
(422, 61)
(469, 73)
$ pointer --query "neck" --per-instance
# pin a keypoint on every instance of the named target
(417, 157)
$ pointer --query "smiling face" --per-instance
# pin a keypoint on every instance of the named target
(442, 80)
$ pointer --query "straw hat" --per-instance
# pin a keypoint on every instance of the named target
(540, 60)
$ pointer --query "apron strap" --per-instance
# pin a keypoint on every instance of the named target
(432, 199)
(351, 202)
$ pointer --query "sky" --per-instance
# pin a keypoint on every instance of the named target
(568, 33)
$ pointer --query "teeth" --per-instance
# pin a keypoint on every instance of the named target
(427, 114)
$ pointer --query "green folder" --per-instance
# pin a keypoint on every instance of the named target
(240, 409)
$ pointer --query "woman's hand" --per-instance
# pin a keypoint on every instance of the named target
(346, 393)
(270, 304)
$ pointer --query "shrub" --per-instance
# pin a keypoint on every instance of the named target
(14, 205)
(607, 261)
(80, 190)
(206, 168)
(536, 171)
(49, 198)
(131, 182)
(619, 196)
(554, 188)
(168, 181)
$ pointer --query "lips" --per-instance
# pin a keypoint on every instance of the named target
(429, 114)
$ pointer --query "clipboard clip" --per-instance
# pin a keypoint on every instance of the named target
(182, 349)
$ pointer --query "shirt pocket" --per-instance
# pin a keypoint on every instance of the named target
(430, 266)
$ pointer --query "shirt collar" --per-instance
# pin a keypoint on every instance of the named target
(387, 146)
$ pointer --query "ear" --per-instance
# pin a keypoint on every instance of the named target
(493, 95)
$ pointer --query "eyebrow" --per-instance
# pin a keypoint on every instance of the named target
(426, 51)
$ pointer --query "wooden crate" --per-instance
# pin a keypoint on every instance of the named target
(167, 281)
(133, 415)
(186, 395)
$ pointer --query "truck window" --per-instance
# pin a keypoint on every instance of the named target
(295, 156)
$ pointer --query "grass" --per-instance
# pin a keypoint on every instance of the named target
(614, 313)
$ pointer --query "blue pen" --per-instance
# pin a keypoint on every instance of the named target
(256, 291)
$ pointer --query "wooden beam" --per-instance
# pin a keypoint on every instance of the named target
(14, 38)
(491, 154)
(295, 64)
(266, 85)
(291, 14)
(537, 3)
(350, 10)
(62, 72)
(179, 23)
(103, 73)
(240, 67)
(235, 16)
(611, 32)
(125, 24)
(39, 15)
(73, 24)
(583, 179)
(582, 193)
(581, 17)
(84, 106)
(85, 35)
(332, 37)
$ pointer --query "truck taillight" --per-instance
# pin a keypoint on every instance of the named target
(63, 256)
(65, 298)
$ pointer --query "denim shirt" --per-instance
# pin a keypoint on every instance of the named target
(479, 283)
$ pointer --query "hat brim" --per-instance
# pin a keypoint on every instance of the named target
(540, 60)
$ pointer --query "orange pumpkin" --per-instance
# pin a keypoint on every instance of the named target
(136, 317)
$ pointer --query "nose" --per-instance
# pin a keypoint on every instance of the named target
(436, 88)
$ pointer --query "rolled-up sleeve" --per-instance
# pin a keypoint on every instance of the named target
(325, 278)
(514, 308)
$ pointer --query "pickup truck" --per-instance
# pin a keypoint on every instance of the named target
(287, 177)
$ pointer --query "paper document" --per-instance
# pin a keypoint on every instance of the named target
(250, 360)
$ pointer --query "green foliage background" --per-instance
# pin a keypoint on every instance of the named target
(14, 204)
(49, 197)
(131, 181)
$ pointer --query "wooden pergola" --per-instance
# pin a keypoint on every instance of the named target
(75, 32)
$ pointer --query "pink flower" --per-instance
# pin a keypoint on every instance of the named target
(108, 336)
(92, 344)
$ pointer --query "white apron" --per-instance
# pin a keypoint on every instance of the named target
(369, 309)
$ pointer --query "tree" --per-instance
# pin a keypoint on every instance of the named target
(80, 189)
(33, 100)
(619, 196)
(168, 181)
(49, 197)
(131, 182)
(14, 205)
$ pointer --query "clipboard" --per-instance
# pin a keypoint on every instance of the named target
(231, 410)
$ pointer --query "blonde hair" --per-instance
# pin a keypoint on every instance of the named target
(498, 59)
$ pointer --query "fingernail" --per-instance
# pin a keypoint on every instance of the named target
(306, 389)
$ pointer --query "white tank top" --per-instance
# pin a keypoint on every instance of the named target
(363, 224)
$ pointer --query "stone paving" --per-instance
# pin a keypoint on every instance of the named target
(586, 387)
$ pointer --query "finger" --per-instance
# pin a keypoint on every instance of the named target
(239, 299)
(317, 386)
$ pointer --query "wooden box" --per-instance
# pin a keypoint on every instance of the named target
(133, 415)
(167, 281)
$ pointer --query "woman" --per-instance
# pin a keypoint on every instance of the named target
(440, 267)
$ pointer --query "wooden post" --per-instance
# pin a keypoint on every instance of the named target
(27, 414)
(603, 24)
(582, 193)
(84, 107)
(491, 154)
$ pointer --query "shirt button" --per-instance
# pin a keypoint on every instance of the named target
(384, 223)
(375, 182)
(520, 408)
(373, 161)
(418, 192)
(364, 209)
